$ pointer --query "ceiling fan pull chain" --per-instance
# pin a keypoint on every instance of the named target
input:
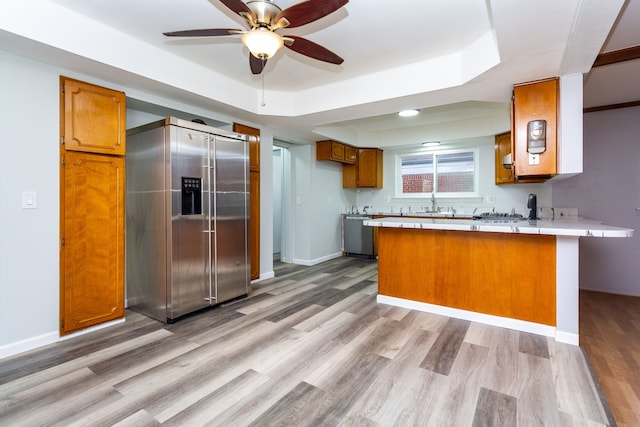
(262, 104)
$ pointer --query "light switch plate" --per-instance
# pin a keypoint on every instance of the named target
(29, 200)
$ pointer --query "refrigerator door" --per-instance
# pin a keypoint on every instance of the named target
(190, 235)
(231, 220)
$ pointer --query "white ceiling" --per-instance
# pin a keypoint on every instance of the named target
(456, 61)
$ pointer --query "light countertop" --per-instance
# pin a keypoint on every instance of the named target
(573, 226)
(443, 214)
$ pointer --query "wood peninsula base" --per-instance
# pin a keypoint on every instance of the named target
(506, 275)
(518, 274)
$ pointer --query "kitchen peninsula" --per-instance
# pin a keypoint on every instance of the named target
(517, 274)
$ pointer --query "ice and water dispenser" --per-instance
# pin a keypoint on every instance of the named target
(191, 196)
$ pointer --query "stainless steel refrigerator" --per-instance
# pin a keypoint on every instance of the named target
(187, 218)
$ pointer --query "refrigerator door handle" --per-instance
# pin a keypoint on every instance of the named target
(209, 217)
(213, 255)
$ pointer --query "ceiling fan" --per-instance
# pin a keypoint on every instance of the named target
(265, 18)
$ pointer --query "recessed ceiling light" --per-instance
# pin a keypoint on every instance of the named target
(408, 113)
(431, 144)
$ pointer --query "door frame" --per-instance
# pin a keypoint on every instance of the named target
(287, 218)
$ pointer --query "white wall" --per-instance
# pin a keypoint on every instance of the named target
(29, 273)
(318, 203)
(266, 203)
(506, 197)
(608, 190)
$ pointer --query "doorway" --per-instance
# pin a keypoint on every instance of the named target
(282, 209)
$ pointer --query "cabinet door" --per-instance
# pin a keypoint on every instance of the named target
(95, 118)
(254, 224)
(337, 151)
(504, 174)
(535, 101)
(349, 176)
(92, 252)
(370, 167)
(350, 154)
(254, 197)
(254, 146)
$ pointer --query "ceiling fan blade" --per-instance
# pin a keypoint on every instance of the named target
(312, 50)
(239, 7)
(256, 64)
(308, 11)
(204, 32)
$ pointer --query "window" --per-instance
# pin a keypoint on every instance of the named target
(451, 173)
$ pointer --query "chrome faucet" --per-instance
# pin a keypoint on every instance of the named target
(433, 202)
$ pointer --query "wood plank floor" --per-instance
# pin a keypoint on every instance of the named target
(610, 334)
(309, 347)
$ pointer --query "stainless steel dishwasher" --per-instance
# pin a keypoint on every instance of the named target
(357, 238)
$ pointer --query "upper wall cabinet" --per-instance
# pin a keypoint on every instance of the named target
(504, 172)
(535, 126)
(366, 173)
(336, 151)
(96, 118)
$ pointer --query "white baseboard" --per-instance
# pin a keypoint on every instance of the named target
(567, 338)
(92, 329)
(310, 262)
(487, 319)
(18, 347)
(264, 276)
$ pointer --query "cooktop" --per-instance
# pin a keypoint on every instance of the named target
(499, 216)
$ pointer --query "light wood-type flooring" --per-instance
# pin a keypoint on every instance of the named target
(310, 347)
(610, 335)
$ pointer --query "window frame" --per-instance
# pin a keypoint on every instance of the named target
(476, 174)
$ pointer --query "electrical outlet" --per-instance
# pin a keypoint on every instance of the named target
(491, 200)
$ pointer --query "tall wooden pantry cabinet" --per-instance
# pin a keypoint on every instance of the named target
(254, 196)
(92, 211)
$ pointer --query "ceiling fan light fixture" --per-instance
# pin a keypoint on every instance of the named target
(262, 43)
(408, 113)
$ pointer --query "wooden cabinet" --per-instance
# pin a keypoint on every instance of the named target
(254, 145)
(93, 242)
(254, 223)
(254, 154)
(504, 173)
(335, 151)
(367, 172)
(350, 154)
(254, 196)
(95, 118)
(536, 101)
(92, 199)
